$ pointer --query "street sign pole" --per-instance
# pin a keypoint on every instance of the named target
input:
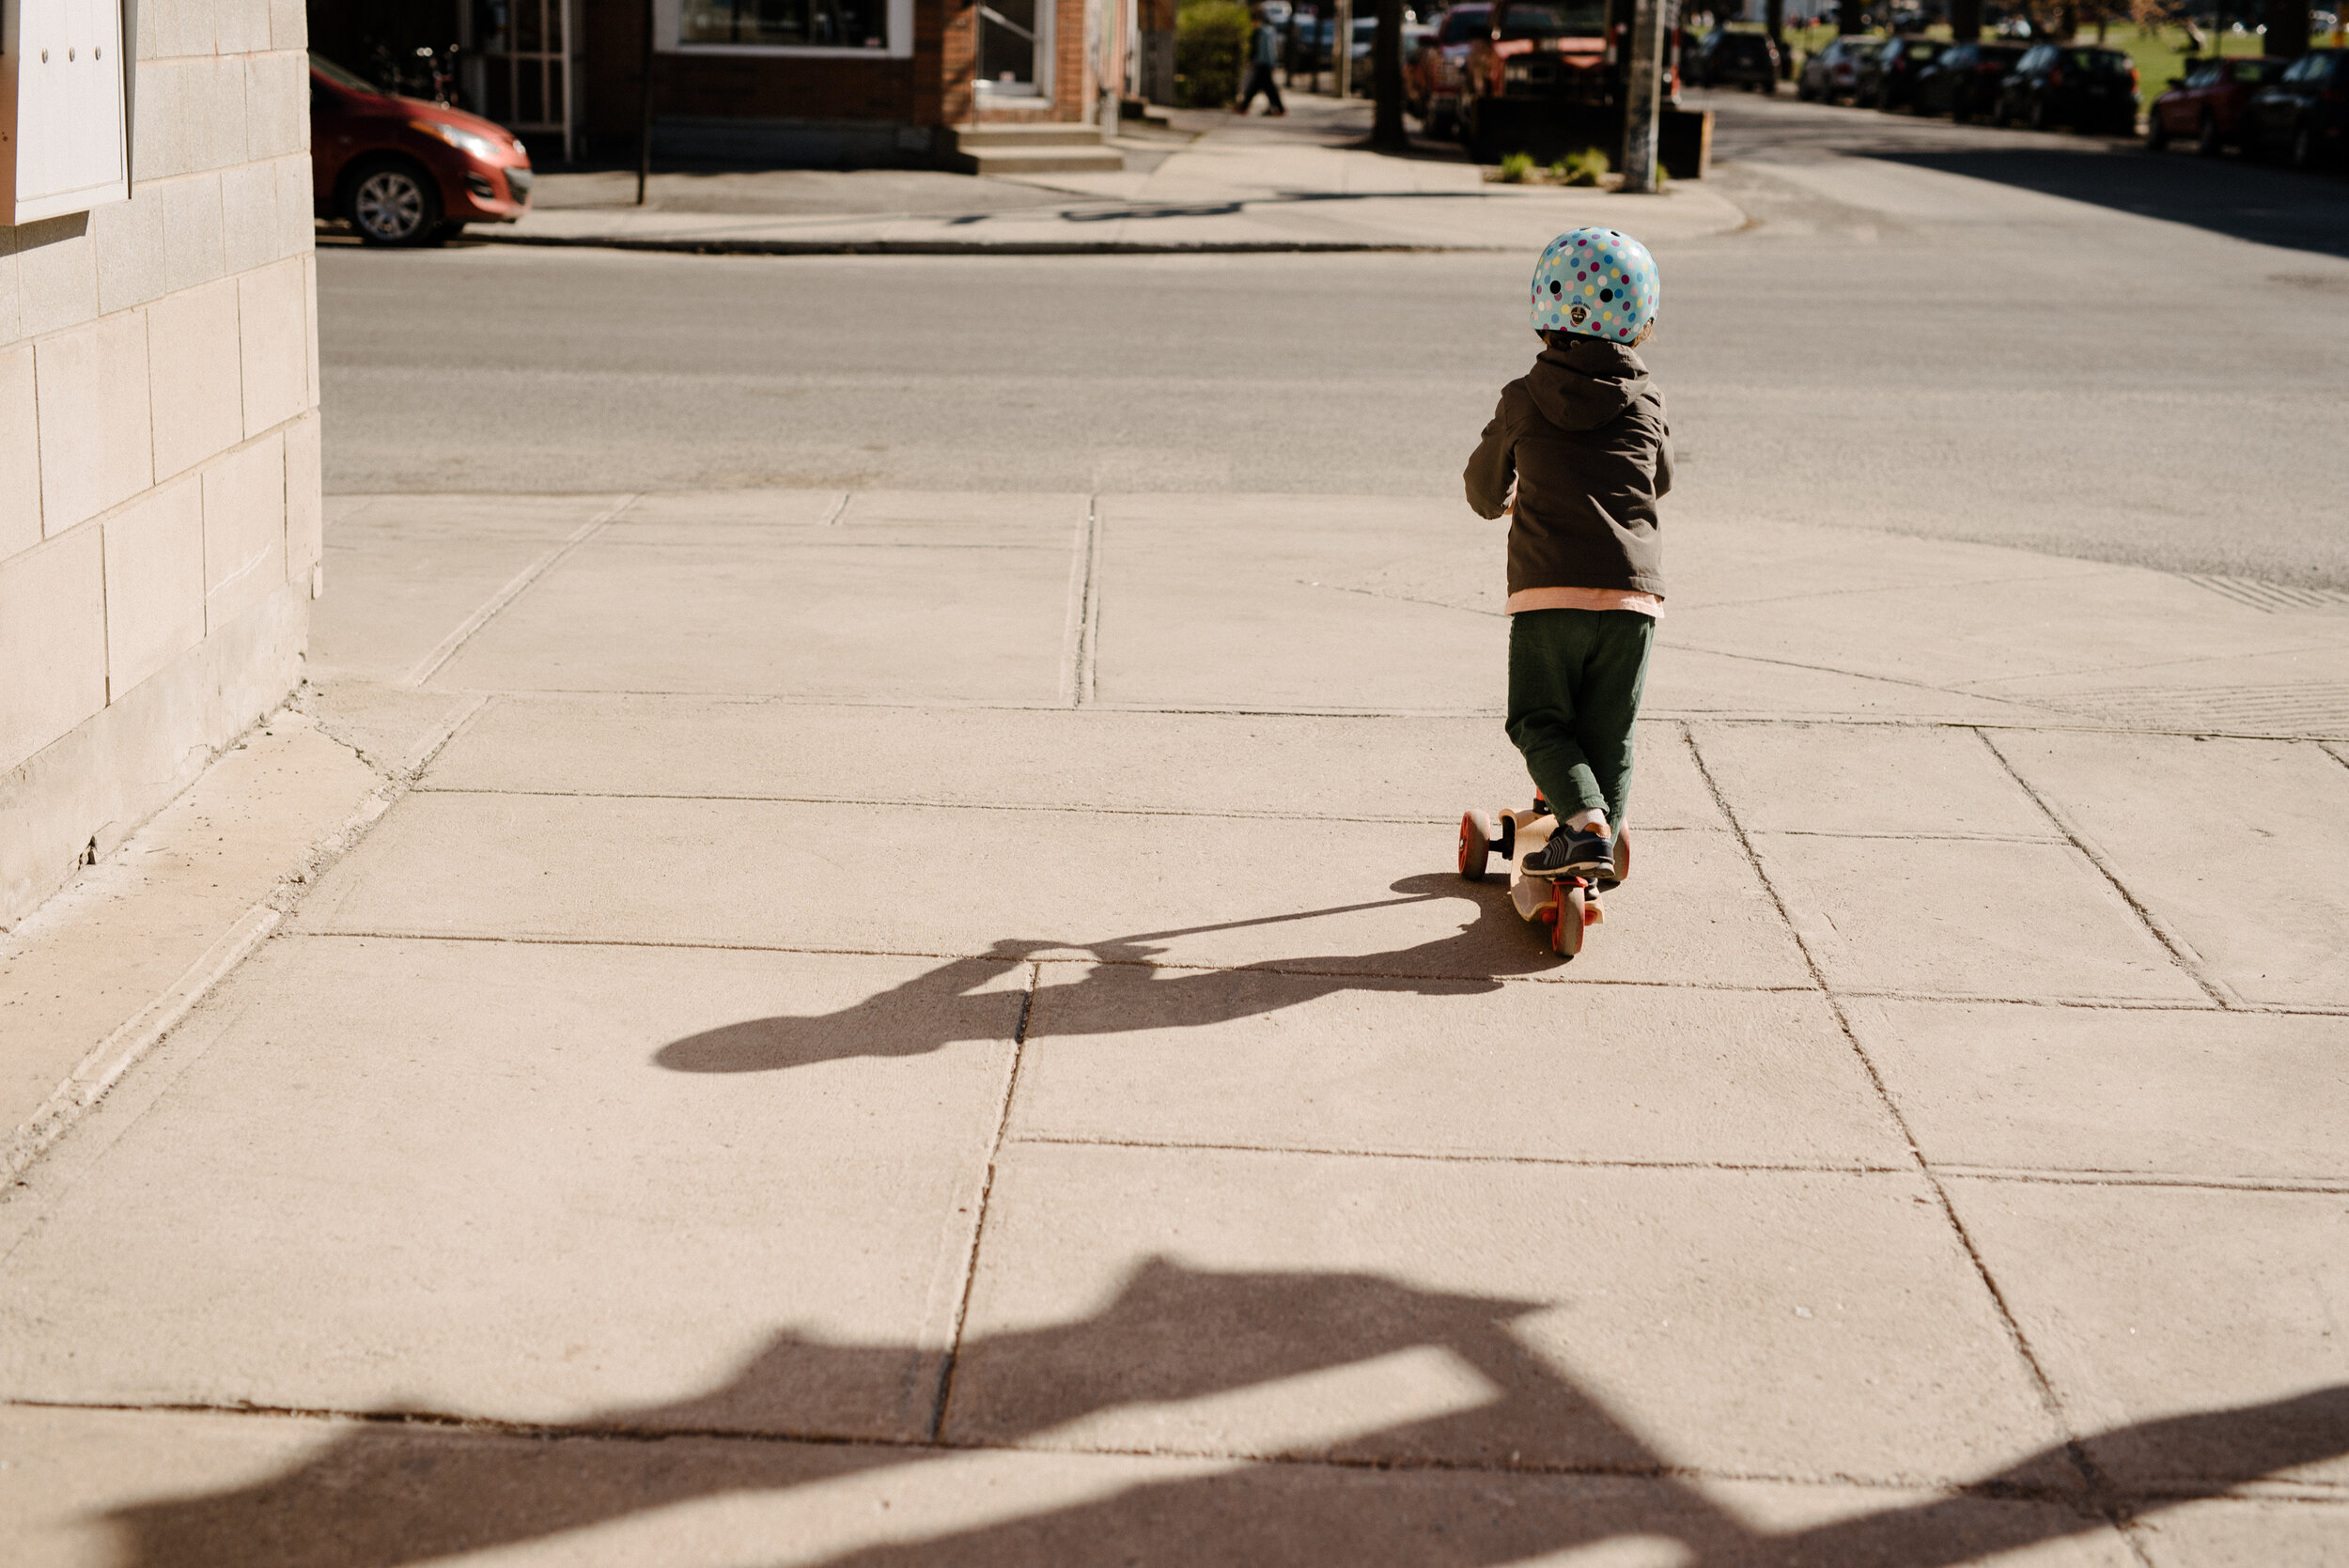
(1341, 48)
(1643, 83)
(644, 111)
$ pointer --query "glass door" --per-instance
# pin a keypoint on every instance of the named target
(1012, 39)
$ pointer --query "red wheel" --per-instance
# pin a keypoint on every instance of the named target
(1476, 841)
(1566, 919)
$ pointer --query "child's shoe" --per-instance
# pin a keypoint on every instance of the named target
(1573, 852)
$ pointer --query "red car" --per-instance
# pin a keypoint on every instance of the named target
(405, 172)
(1431, 77)
(2206, 104)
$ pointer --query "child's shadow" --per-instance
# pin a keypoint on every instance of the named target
(1123, 992)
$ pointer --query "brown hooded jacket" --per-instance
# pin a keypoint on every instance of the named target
(1584, 437)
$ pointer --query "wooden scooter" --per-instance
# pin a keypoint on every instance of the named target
(1567, 904)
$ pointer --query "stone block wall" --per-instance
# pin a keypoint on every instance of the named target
(159, 446)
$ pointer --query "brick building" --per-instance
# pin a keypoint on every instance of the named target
(772, 81)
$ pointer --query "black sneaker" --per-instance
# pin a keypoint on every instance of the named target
(1573, 852)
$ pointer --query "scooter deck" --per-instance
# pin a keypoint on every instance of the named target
(1567, 904)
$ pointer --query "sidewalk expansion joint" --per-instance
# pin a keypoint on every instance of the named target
(907, 803)
(500, 1427)
(1071, 954)
(2181, 953)
(1441, 1157)
(2322, 1186)
(446, 649)
(2091, 1475)
(947, 1363)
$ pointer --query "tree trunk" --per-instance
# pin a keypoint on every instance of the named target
(1386, 80)
(2068, 22)
(1847, 16)
(1966, 21)
(2287, 28)
(1774, 15)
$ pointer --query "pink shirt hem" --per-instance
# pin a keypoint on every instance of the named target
(1586, 599)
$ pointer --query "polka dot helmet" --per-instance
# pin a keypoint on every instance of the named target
(1596, 283)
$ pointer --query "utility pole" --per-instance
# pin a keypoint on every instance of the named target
(1644, 84)
(1386, 133)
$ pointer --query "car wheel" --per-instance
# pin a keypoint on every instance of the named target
(2304, 148)
(393, 203)
(2039, 114)
(2157, 133)
(2207, 139)
(1802, 93)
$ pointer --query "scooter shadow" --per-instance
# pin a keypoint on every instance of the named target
(1130, 986)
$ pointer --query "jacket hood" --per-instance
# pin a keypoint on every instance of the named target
(1586, 384)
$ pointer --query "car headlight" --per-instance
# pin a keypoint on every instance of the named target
(460, 139)
(1515, 74)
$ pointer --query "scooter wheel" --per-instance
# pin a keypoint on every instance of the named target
(1476, 842)
(1566, 925)
(1623, 855)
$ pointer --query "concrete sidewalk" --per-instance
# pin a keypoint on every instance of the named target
(1215, 183)
(952, 1013)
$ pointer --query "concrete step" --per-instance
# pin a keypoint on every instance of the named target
(1041, 160)
(1017, 134)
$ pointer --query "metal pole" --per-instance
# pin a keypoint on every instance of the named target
(1342, 49)
(1645, 84)
(644, 111)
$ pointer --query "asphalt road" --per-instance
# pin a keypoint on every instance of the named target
(1935, 330)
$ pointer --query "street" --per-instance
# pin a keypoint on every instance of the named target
(1947, 346)
(850, 953)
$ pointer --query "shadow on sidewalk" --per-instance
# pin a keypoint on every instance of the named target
(1123, 992)
(1534, 1465)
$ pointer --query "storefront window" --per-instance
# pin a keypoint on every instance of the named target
(803, 23)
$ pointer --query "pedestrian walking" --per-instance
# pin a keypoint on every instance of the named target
(1263, 52)
(1578, 454)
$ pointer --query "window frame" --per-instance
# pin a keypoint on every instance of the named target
(669, 28)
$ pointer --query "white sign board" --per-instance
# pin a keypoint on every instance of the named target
(64, 142)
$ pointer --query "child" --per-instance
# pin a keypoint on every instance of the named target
(1584, 438)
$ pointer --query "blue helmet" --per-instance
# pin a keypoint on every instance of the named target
(1596, 283)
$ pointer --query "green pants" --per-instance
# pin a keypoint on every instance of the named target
(1575, 678)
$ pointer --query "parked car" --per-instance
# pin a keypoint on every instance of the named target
(1888, 76)
(1833, 72)
(1964, 81)
(1750, 60)
(2062, 83)
(2207, 103)
(2303, 116)
(404, 172)
(1431, 73)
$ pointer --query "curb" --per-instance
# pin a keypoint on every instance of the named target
(969, 247)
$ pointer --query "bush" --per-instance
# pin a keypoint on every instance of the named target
(1586, 167)
(1516, 168)
(1211, 39)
